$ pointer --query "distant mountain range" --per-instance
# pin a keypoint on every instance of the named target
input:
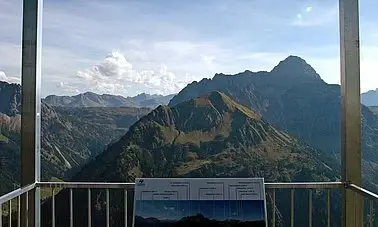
(90, 99)
(370, 98)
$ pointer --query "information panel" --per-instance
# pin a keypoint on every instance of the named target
(217, 202)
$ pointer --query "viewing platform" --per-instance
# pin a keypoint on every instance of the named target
(23, 206)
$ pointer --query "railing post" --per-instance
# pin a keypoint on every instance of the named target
(30, 109)
(350, 110)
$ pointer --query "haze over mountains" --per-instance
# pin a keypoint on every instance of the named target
(370, 98)
(90, 99)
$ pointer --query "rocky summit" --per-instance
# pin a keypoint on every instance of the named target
(294, 99)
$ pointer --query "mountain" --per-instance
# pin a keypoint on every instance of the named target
(10, 98)
(370, 98)
(374, 109)
(293, 98)
(9, 153)
(90, 99)
(151, 101)
(70, 137)
(210, 136)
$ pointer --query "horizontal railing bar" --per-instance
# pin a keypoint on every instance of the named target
(13, 194)
(103, 185)
(305, 185)
(363, 192)
(92, 185)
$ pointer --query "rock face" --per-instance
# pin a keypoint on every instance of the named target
(10, 98)
(209, 136)
(90, 99)
(70, 137)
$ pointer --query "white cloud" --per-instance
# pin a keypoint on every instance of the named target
(8, 79)
(69, 88)
(208, 59)
(306, 19)
(116, 75)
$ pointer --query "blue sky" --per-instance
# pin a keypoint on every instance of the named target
(132, 46)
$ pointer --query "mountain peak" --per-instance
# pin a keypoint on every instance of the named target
(89, 93)
(297, 67)
(223, 103)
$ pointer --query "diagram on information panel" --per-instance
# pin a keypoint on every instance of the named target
(199, 202)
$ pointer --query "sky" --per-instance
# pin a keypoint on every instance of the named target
(126, 47)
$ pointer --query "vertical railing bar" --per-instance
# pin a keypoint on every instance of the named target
(329, 208)
(19, 211)
(107, 207)
(1, 215)
(71, 208)
(125, 206)
(274, 207)
(37, 206)
(310, 208)
(53, 206)
(10, 213)
(89, 208)
(27, 209)
(371, 216)
(354, 206)
(292, 208)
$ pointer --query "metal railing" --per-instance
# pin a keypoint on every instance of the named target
(272, 188)
(126, 187)
(372, 199)
(8, 199)
(306, 190)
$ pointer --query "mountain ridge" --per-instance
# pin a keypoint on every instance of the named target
(307, 108)
(90, 99)
(214, 117)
